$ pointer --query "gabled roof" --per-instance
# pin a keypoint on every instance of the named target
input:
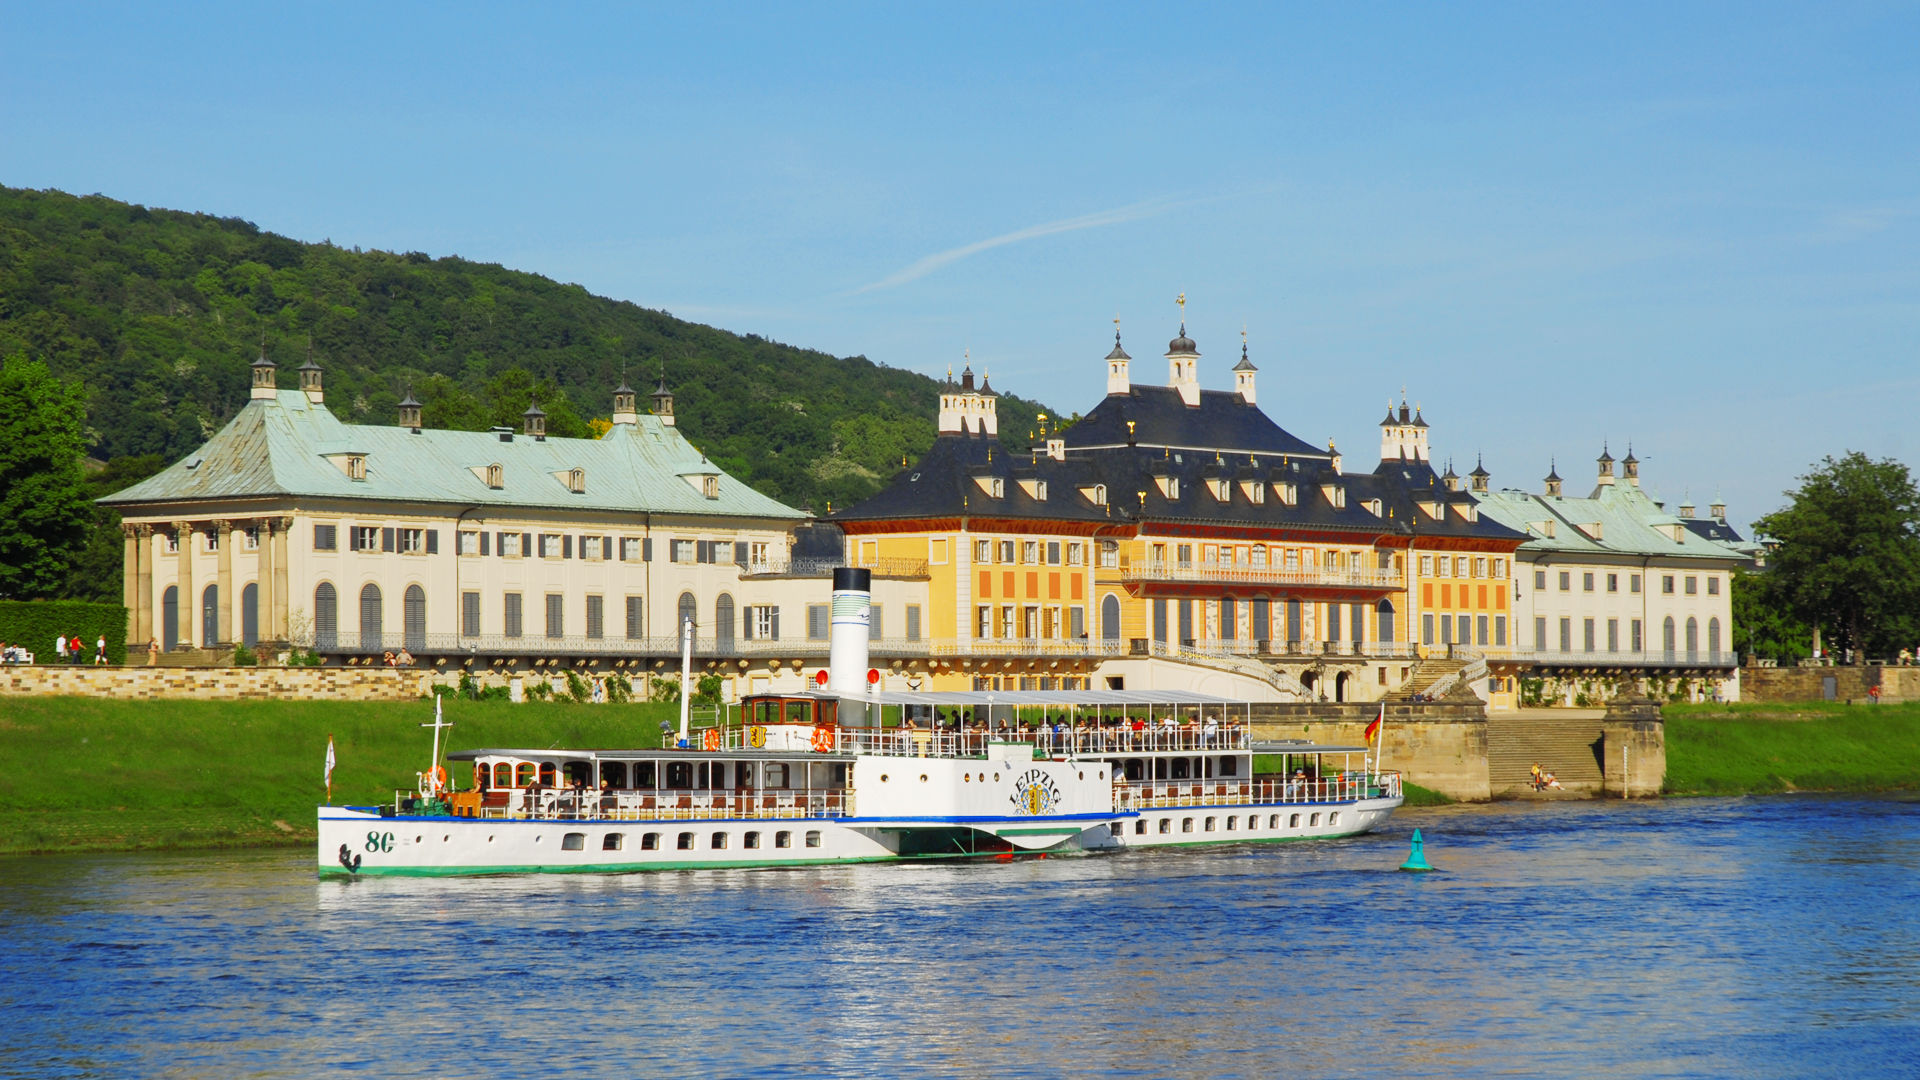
(1630, 522)
(286, 446)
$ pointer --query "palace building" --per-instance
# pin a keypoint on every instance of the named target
(1177, 536)
(1613, 587)
(505, 549)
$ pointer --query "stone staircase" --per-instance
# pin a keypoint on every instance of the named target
(1560, 740)
(1425, 674)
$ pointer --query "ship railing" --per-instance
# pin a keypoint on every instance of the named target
(668, 805)
(1162, 794)
(940, 742)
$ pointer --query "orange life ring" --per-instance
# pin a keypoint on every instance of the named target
(822, 740)
(711, 740)
(437, 777)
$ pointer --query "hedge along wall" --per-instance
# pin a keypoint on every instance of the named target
(32, 625)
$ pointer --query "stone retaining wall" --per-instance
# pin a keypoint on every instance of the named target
(218, 683)
(1441, 746)
(1789, 684)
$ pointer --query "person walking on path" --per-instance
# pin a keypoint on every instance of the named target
(100, 650)
(60, 648)
(76, 651)
(153, 652)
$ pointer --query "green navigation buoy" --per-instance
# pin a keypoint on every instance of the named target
(1417, 856)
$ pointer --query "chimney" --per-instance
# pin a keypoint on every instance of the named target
(663, 403)
(534, 422)
(410, 413)
(265, 387)
(310, 382)
(847, 631)
(624, 409)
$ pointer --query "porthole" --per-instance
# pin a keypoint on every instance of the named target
(1166, 825)
(418, 839)
(489, 839)
(1273, 821)
(1333, 818)
(923, 778)
(996, 778)
(444, 839)
(1186, 825)
(1293, 822)
(536, 838)
(883, 778)
(1083, 776)
(1314, 821)
(1210, 822)
(1232, 822)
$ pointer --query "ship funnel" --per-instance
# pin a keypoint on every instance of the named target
(847, 632)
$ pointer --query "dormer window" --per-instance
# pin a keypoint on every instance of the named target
(1336, 495)
(1169, 486)
(494, 478)
(1222, 490)
(356, 466)
(577, 481)
(1374, 507)
(1289, 492)
(1097, 494)
(1040, 490)
(709, 486)
(1256, 493)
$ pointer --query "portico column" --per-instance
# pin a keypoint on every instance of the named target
(135, 599)
(223, 535)
(281, 528)
(263, 581)
(189, 604)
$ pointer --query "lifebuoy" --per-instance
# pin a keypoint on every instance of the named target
(756, 736)
(822, 740)
(436, 779)
(711, 740)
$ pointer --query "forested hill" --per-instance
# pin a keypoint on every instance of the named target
(159, 313)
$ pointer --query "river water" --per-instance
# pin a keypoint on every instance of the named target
(1739, 937)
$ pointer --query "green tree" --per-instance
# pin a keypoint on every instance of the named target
(43, 512)
(1762, 626)
(1847, 558)
(98, 573)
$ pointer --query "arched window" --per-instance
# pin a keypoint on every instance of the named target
(1340, 686)
(1384, 626)
(577, 481)
(1666, 635)
(415, 612)
(1110, 618)
(326, 617)
(170, 618)
(250, 615)
(525, 774)
(494, 479)
(502, 775)
(546, 774)
(689, 611)
(1693, 637)
(370, 617)
(1099, 494)
(210, 615)
(1713, 637)
(723, 622)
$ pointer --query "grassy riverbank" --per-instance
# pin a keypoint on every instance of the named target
(94, 774)
(1767, 749)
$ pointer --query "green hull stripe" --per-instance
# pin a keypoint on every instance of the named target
(599, 868)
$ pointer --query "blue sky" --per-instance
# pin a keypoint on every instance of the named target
(1692, 227)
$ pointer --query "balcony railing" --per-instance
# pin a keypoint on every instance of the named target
(889, 567)
(1261, 648)
(1651, 658)
(1268, 577)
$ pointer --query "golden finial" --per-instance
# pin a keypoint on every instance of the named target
(1182, 301)
(1243, 337)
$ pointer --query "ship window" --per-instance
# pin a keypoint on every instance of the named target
(1232, 823)
(524, 776)
(503, 775)
(1210, 822)
(1293, 822)
(783, 838)
(1186, 825)
(1273, 821)
(1315, 820)
(719, 841)
(1140, 827)
(613, 841)
(752, 840)
(546, 774)
(574, 841)
(813, 838)
(650, 842)
(1333, 818)
(686, 842)
(1166, 825)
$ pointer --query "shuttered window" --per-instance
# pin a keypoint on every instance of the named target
(470, 613)
(556, 615)
(636, 618)
(510, 615)
(595, 627)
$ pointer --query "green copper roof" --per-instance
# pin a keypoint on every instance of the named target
(1630, 521)
(286, 446)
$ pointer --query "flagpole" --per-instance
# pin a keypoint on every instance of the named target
(329, 768)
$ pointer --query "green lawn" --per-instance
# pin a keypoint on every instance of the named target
(1764, 749)
(88, 773)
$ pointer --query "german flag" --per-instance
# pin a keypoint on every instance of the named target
(1373, 729)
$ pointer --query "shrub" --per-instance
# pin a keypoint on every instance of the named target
(665, 690)
(619, 690)
(244, 657)
(578, 688)
(33, 624)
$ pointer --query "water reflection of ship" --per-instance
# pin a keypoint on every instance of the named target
(818, 777)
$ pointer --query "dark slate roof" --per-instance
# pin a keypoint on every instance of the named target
(1713, 529)
(1222, 421)
(945, 484)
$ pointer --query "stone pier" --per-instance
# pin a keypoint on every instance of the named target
(1634, 747)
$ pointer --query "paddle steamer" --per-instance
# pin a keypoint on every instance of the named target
(793, 779)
